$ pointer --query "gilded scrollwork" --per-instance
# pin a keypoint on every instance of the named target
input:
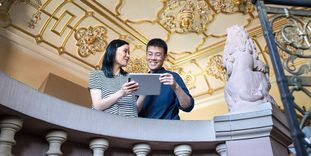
(214, 68)
(293, 40)
(294, 34)
(137, 65)
(91, 40)
(36, 17)
(118, 7)
(282, 54)
(64, 25)
(232, 6)
(188, 78)
(294, 43)
(183, 16)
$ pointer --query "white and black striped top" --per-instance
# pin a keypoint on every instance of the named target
(125, 106)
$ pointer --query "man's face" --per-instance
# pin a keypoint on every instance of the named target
(155, 58)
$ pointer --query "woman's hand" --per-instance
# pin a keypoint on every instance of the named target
(128, 88)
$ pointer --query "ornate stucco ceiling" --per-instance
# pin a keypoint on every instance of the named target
(79, 31)
(71, 35)
(193, 29)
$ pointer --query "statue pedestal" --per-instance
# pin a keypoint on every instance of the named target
(261, 130)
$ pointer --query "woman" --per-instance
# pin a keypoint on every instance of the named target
(109, 88)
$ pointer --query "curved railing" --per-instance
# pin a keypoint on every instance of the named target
(47, 125)
(293, 42)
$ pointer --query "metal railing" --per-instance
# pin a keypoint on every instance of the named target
(293, 40)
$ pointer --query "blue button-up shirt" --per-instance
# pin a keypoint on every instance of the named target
(166, 105)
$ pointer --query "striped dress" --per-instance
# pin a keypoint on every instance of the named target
(126, 106)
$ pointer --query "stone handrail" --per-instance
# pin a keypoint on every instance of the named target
(42, 112)
(70, 125)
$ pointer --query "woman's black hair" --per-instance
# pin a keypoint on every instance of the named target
(109, 57)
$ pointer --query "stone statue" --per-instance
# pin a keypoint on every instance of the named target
(248, 78)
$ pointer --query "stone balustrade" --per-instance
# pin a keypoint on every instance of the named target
(8, 126)
(28, 115)
(55, 139)
(141, 149)
(99, 146)
(182, 150)
(221, 149)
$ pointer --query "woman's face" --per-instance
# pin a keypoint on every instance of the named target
(122, 55)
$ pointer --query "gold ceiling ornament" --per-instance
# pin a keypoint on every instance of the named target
(214, 68)
(91, 40)
(188, 78)
(137, 65)
(34, 19)
(232, 6)
(118, 7)
(237, 2)
(35, 16)
(183, 16)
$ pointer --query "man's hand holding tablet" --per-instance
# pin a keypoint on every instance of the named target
(149, 84)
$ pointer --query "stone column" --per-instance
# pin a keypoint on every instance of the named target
(182, 150)
(99, 146)
(8, 126)
(141, 149)
(221, 149)
(55, 139)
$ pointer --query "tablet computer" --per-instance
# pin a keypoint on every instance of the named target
(149, 84)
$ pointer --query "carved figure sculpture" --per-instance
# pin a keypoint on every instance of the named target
(248, 78)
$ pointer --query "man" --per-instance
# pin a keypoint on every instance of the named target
(174, 93)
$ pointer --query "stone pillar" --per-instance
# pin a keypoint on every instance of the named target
(55, 139)
(8, 126)
(182, 150)
(221, 149)
(99, 146)
(141, 149)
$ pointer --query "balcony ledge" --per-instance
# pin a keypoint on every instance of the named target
(42, 113)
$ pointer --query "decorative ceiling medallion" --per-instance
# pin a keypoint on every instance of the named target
(184, 16)
(189, 79)
(35, 16)
(91, 40)
(214, 68)
(137, 65)
(232, 6)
